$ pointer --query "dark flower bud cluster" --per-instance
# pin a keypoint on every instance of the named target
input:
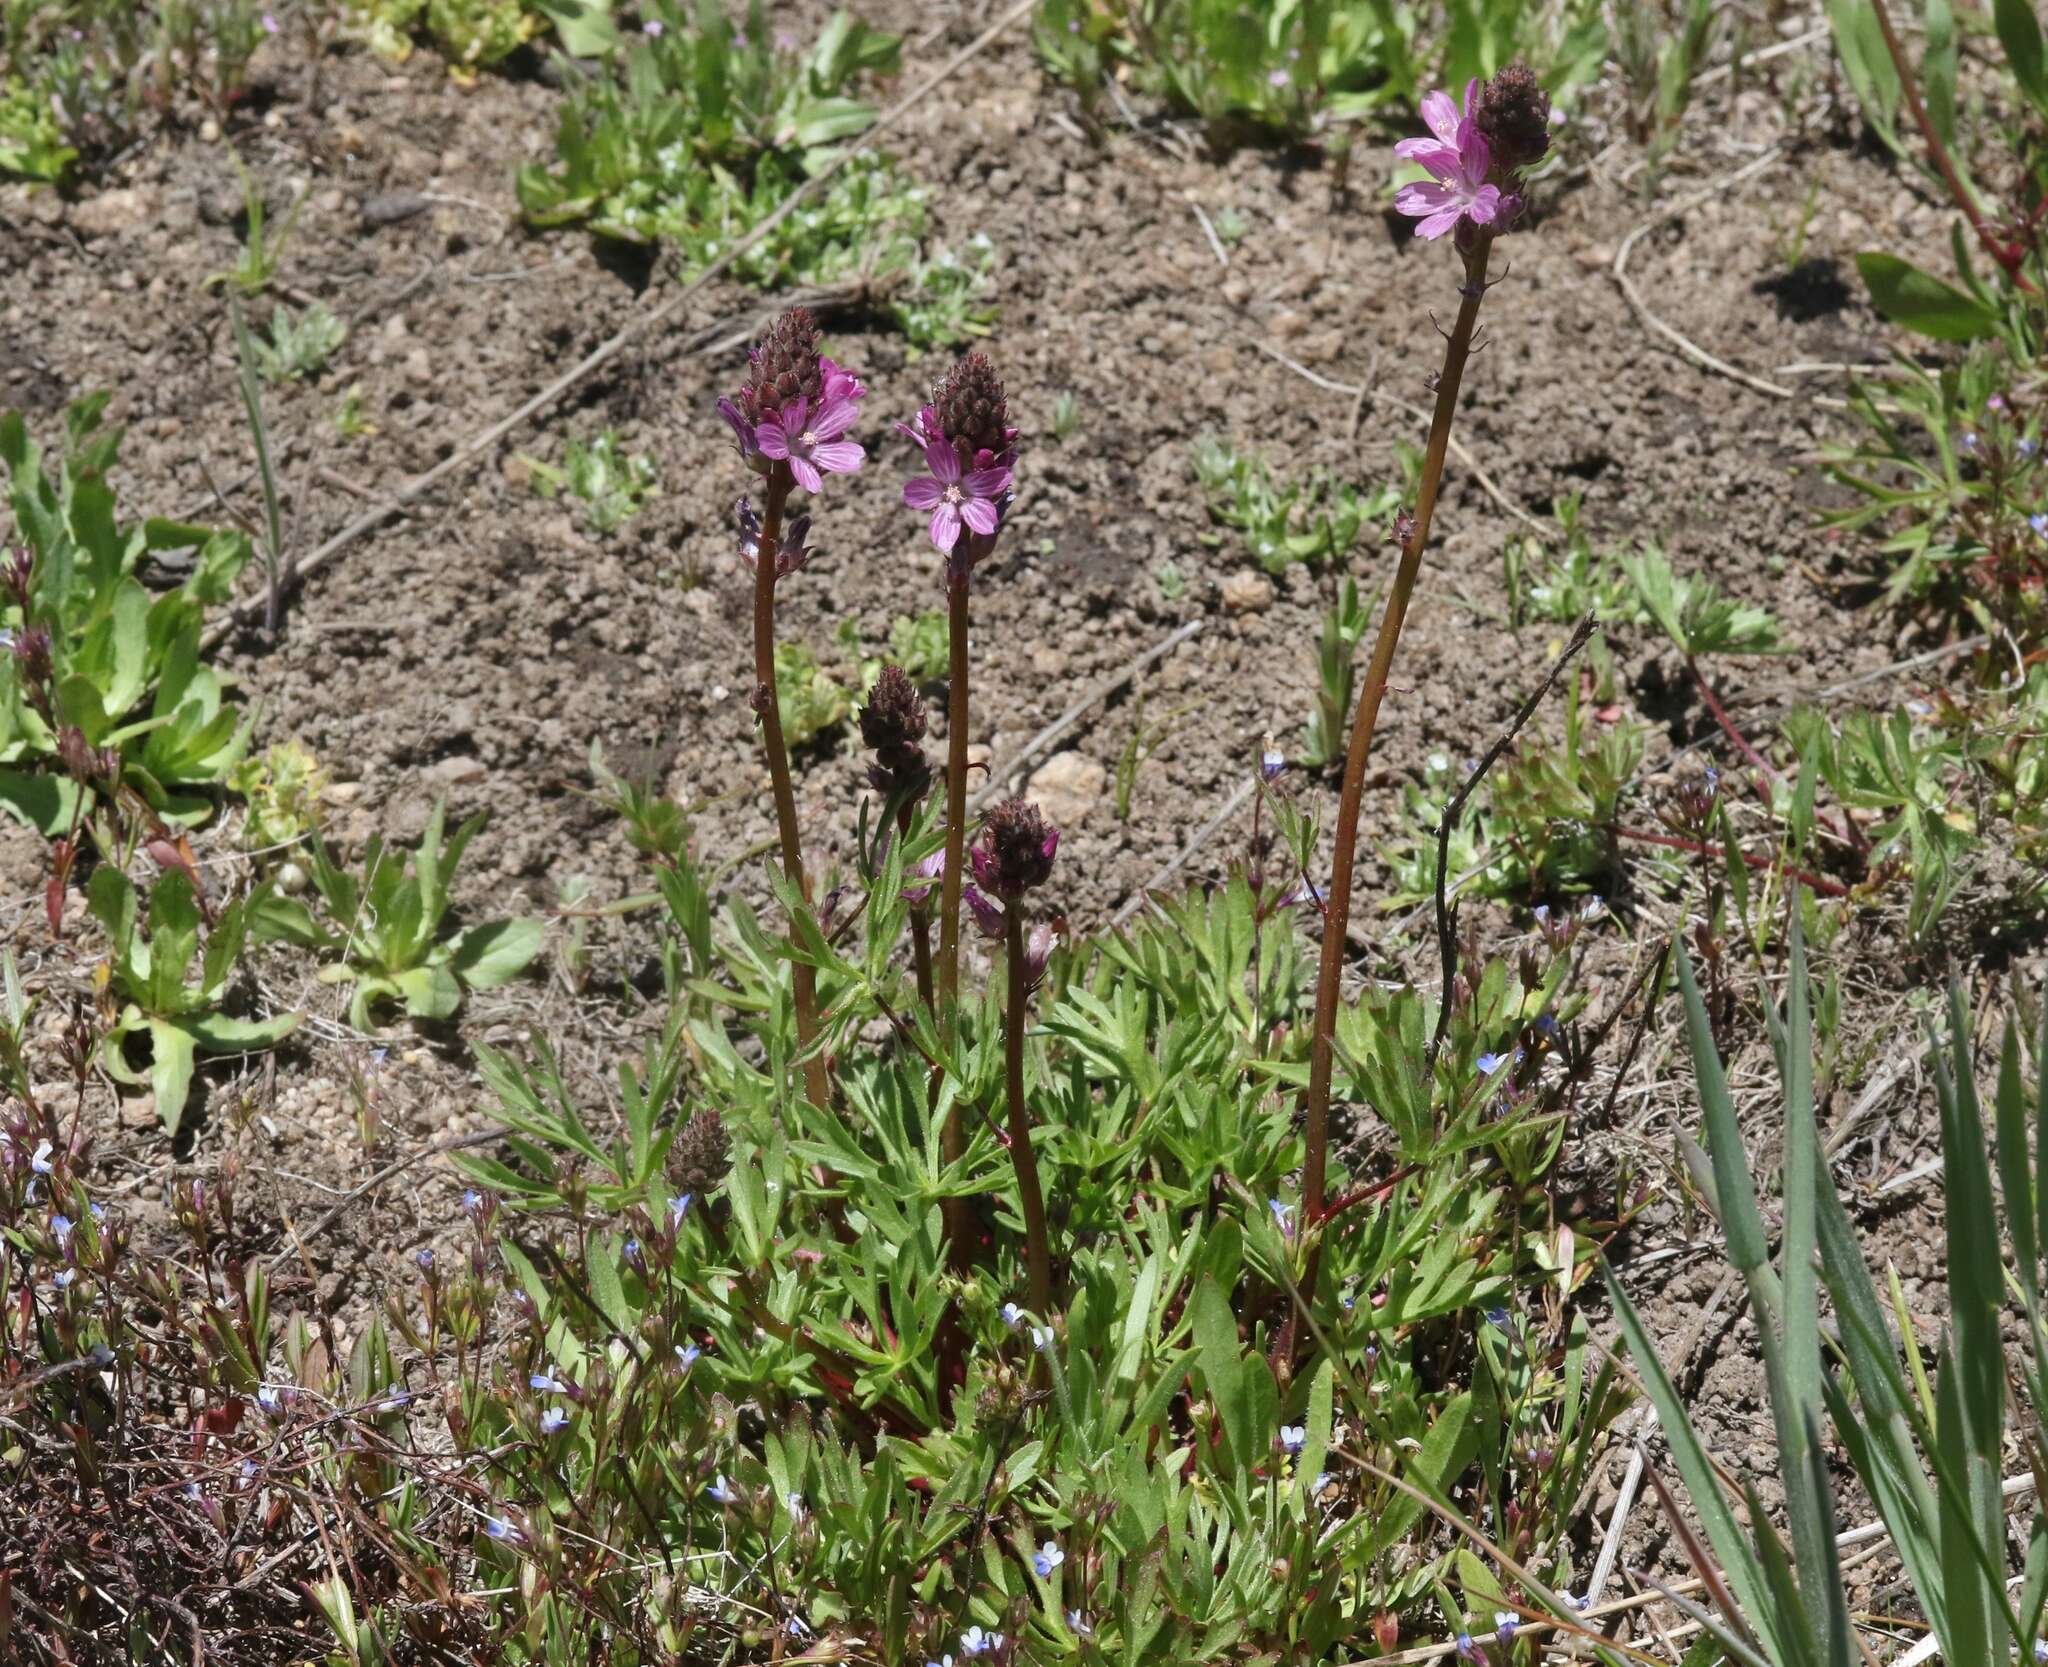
(1514, 115)
(892, 724)
(1014, 854)
(700, 1156)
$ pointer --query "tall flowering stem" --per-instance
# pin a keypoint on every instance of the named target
(1474, 160)
(970, 451)
(1037, 1244)
(1364, 724)
(768, 707)
(789, 421)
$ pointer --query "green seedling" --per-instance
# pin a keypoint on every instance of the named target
(388, 930)
(169, 977)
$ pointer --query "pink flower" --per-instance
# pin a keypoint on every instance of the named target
(840, 383)
(954, 495)
(1457, 159)
(809, 444)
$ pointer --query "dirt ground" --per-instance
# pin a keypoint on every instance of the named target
(477, 646)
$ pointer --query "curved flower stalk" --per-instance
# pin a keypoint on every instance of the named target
(790, 419)
(1475, 157)
(1014, 856)
(892, 723)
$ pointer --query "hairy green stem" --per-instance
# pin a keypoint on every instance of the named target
(767, 706)
(1365, 720)
(1037, 1251)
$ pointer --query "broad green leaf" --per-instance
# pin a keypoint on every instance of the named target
(170, 1070)
(486, 956)
(2019, 32)
(46, 802)
(1920, 302)
(217, 1033)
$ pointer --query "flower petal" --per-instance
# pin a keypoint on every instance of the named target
(942, 460)
(1437, 224)
(1445, 164)
(772, 440)
(923, 492)
(793, 414)
(1425, 197)
(834, 418)
(1474, 158)
(986, 483)
(1484, 206)
(1441, 115)
(841, 457)
(1414, 150)
(979, 514)
(1471, 97)
(945, 527)
(806, 473)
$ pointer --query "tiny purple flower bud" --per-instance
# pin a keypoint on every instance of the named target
(1038, 945)
(425, 1260)
(270, 23)
(933, 868)
(988, 914)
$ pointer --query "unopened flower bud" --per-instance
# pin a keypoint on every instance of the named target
(701, 1155)
(973, 413)
(892, 723)
(988, 914)
(1513, 113)
(1015, 851)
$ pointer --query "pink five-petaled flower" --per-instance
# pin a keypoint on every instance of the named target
(1457, 159)
(954, 495)
(809, 443)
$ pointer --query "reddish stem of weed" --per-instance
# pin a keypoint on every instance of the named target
(767, 704)
(2008, 256)
(1037, 1249)
(1337, 914)
(1705, 848)
(1845, 829)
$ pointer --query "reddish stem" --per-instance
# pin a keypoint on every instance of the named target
(1705, 848)
(767, 704)
(1037, 1248)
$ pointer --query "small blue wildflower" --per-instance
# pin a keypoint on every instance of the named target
(425, 1259)
(1966, 442)
(722, 1491)
(2039, 522)
(499, 1529)
(61, 1226)
(63, 1278)
(1542, 912)
(2027, 447)
(1283, 1215)
(1042, 1338)
(976, 1642)
(1505, 1623)
(1489, 1063)
(687, 1355)
(796, 1507)
(678, 1207)
(1271, 764)
(1013, 1316)
(1574, 1600)
(552, 1420)
(1047, 1558)
(98, 1211)
(1077, 1624)
(541, 1383)
(2040, 1650)
(1497, 1316)
(269, 1398)
(39, 1160)
(1323, 1480)
(472, 1200)
(943, 1661)
(1293, 1437)
(1467, 1650)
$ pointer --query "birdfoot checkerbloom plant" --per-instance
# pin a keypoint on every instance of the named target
(1475, 155)
(790, 420)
